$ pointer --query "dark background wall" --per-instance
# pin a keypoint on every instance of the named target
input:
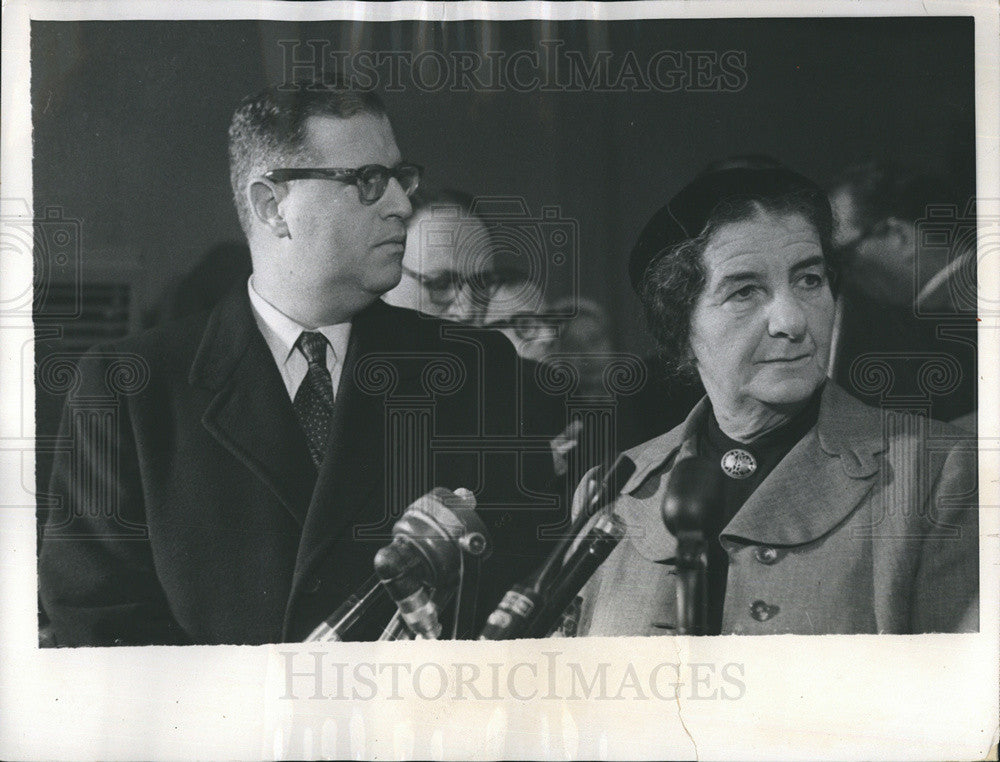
(130, 123)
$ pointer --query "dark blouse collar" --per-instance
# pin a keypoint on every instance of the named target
(780, 439)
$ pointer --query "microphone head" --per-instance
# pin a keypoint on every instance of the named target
(609, 487)
(619, 473)
(431, 535)
(694, 487)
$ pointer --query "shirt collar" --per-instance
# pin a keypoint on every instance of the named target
(281, 332)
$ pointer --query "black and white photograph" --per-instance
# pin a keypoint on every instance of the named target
(347, 340)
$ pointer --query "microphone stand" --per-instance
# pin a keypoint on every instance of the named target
(692, 493)
(692, 584)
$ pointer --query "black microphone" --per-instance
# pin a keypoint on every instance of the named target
(603, 493)
(693, 491)
(517, 613)
(611, 485)
(593, 551)
(512, 615)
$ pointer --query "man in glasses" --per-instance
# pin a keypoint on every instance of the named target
(448, 261)
(262, 452)
(517, 309)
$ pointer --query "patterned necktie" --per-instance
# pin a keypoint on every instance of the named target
(314, 400)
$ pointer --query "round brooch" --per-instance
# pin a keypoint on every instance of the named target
(738, 464)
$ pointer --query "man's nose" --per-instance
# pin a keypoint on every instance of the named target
(463, 307)
(395, 202)
(787, 318)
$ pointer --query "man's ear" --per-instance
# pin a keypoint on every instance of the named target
(265, 203)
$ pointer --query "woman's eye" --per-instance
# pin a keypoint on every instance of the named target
(744, 293)
(812, 280)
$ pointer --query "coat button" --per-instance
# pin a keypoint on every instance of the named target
(762, 611)
(766, 555)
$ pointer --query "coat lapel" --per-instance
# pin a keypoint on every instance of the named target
(639, 504)
(820, 482)
(251, 414)
(829, 472)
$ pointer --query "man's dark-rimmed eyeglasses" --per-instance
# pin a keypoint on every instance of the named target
(371, 179)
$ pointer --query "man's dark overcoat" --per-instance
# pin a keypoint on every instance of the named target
(187, 508)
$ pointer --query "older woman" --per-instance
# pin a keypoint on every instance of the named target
(834, 517)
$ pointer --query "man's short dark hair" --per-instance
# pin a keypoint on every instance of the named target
(671, 285)
(881, 190)
(268, 128)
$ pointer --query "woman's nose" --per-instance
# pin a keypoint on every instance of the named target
(787, 317)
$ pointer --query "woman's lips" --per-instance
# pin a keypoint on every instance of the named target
(785, 360)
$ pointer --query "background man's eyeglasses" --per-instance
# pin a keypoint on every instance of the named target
(527, 327)
(371, 179)
(444, 288)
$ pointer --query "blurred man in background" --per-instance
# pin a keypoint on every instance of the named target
(907, 297)
(518, 310)
(448, 260)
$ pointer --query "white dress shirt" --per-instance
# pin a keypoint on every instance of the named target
(281, 333)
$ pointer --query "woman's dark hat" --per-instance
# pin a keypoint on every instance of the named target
(686, 214)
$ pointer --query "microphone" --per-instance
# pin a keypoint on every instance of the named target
(420, 569)
(402, 574)
(603, 537)
(601, 494)
(693, 491)
(425, 555)
(517, 611)
(511, 617)
(611, 485)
